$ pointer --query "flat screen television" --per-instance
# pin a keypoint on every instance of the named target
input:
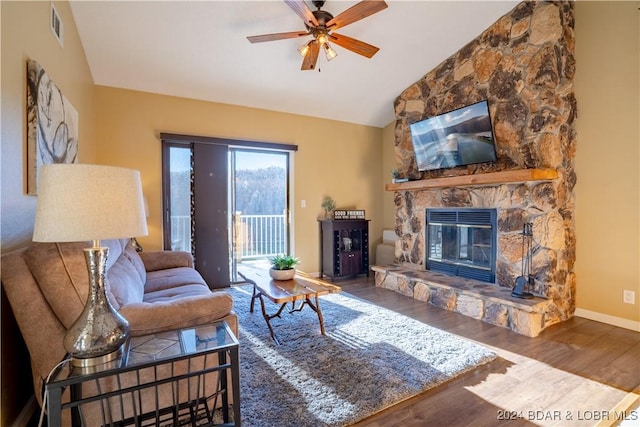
(459, 137)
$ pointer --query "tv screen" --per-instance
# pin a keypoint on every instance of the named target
(459, 137)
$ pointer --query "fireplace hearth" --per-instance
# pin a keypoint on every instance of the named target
(462, 242)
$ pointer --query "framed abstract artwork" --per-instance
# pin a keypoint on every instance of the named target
(52, 125)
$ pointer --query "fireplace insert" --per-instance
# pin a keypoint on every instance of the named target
(462, 242)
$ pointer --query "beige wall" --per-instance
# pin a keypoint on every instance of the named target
(334, 158)
(607, 160)
(26, 35)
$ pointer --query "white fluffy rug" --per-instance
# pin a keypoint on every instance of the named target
(370, 358)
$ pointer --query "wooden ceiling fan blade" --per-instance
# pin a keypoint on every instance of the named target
(357, 46)
(309, 61)
(303, 11)
(276, 36)
(355, 13)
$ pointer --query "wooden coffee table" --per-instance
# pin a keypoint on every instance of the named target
(302, 287)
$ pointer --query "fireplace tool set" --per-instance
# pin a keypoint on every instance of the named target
(525, 279)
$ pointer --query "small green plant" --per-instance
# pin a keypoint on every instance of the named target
(283, 262)
(395, 173)
(328, 204)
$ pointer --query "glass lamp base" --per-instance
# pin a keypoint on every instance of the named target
(98, 334)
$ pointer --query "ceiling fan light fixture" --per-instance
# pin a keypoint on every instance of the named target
(329, 52)
(322, 38)
(304, 49)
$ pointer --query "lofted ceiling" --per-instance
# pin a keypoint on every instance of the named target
(199, 50)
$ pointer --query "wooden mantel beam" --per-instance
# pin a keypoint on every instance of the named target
(502, 177)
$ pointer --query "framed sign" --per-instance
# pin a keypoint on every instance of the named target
(349, 214)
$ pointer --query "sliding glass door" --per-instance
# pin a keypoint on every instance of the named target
(260, 206)
(226, 204)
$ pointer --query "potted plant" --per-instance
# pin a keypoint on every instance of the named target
(328, 204)
(397, 176)
(283, 267)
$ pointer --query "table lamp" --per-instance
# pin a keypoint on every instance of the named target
(81, 202)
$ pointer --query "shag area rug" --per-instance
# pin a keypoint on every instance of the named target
(370, 359)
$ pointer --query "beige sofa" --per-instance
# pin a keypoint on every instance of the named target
(47, 285)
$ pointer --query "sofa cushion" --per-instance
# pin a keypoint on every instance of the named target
(177, 312)
(133, 256)
(161, 260)
(171, 278)
(63, 277)
(124, 283)
(176, 293)
(121, 250)
(116, 247)
(125, 273)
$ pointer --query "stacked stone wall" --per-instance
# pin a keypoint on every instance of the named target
(524, 66)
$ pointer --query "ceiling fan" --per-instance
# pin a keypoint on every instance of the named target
(321, 25)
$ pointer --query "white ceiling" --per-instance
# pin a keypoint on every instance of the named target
(199, 50)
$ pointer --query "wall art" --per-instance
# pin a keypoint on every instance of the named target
(52, 125)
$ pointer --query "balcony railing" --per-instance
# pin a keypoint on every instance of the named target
(181, 233)
(259, 236)
(256, 236)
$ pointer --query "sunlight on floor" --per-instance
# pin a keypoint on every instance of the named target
(543, 395)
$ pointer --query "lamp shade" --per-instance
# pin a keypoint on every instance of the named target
(81, 202)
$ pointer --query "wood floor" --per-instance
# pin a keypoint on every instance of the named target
(578, 373)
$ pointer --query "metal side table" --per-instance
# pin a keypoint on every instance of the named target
(187, 376)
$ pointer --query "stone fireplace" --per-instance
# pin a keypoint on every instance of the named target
(524, 66)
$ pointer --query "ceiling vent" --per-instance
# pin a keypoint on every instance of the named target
(56, 25)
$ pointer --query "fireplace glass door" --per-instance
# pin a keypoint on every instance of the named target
(461, 244)
(459, 248)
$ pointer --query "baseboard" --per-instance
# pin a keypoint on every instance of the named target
(27, 413)
(610, 320)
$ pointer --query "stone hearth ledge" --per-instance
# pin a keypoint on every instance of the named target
(483, 301)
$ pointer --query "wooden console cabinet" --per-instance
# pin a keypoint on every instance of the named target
(344, 248)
